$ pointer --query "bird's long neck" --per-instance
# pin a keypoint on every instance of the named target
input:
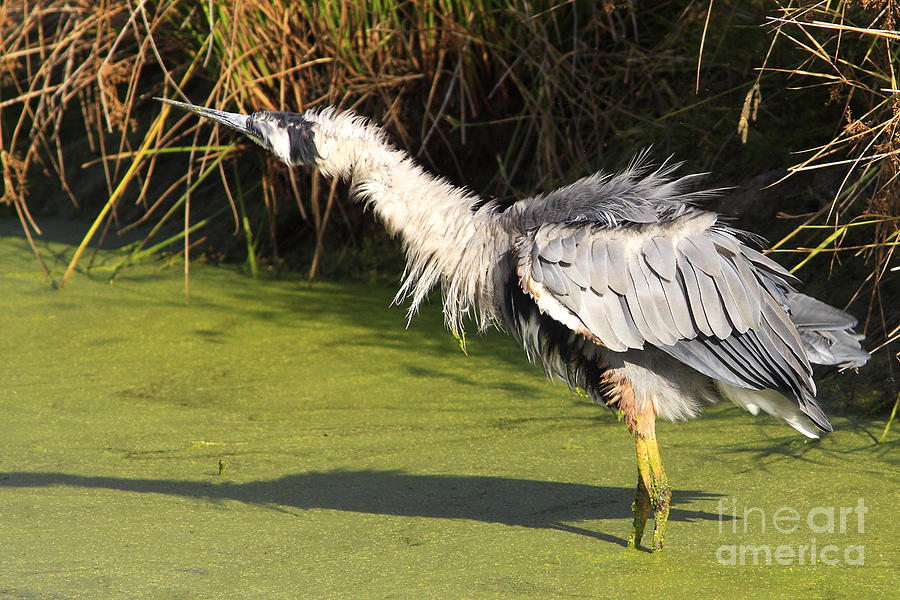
(446, 236)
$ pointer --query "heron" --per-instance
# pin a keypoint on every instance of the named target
(619, 284)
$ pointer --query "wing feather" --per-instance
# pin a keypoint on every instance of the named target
(668, 332)
(553, 278)
(745, 358)
(659, 253)
(579, 270)
(616, 267)
(536, 271)
(733, 296)
(623, 325)
(713, 360)
(751, 286)
(701, 252)
(552, 251)
(637, 298)
(743, 295)
(599, 323)
(712, 305)
(778, 368)
(599, 266)
(724, 240)
(692, 286)
(568, 247)
(784, 338)
(677, 300)
(693, 290)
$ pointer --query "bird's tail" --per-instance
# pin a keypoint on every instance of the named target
(826, 332)
(828, 339)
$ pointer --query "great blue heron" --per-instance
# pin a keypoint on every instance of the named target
(618, 284)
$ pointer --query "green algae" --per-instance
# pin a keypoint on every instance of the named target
(272, 439)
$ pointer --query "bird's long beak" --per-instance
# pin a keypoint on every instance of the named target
(235, 121)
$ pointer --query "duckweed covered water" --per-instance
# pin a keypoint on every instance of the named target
(276, 440)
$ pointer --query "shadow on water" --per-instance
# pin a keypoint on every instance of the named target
(517, 502)
(775, 442)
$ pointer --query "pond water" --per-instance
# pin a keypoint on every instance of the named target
(271, 439)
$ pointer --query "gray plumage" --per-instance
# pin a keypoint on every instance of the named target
(617, 283)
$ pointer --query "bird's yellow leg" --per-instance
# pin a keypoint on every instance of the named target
(641, 505)
(660, 492)
(653, 486)
(652, 490)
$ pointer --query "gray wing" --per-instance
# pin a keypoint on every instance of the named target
(827, 332)
(688, 287)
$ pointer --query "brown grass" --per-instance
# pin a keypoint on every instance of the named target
(504, 97)
(848, 51)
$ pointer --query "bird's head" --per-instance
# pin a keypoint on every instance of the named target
(287, 135)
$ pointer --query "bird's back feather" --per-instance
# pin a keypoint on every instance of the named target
(642, 266)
